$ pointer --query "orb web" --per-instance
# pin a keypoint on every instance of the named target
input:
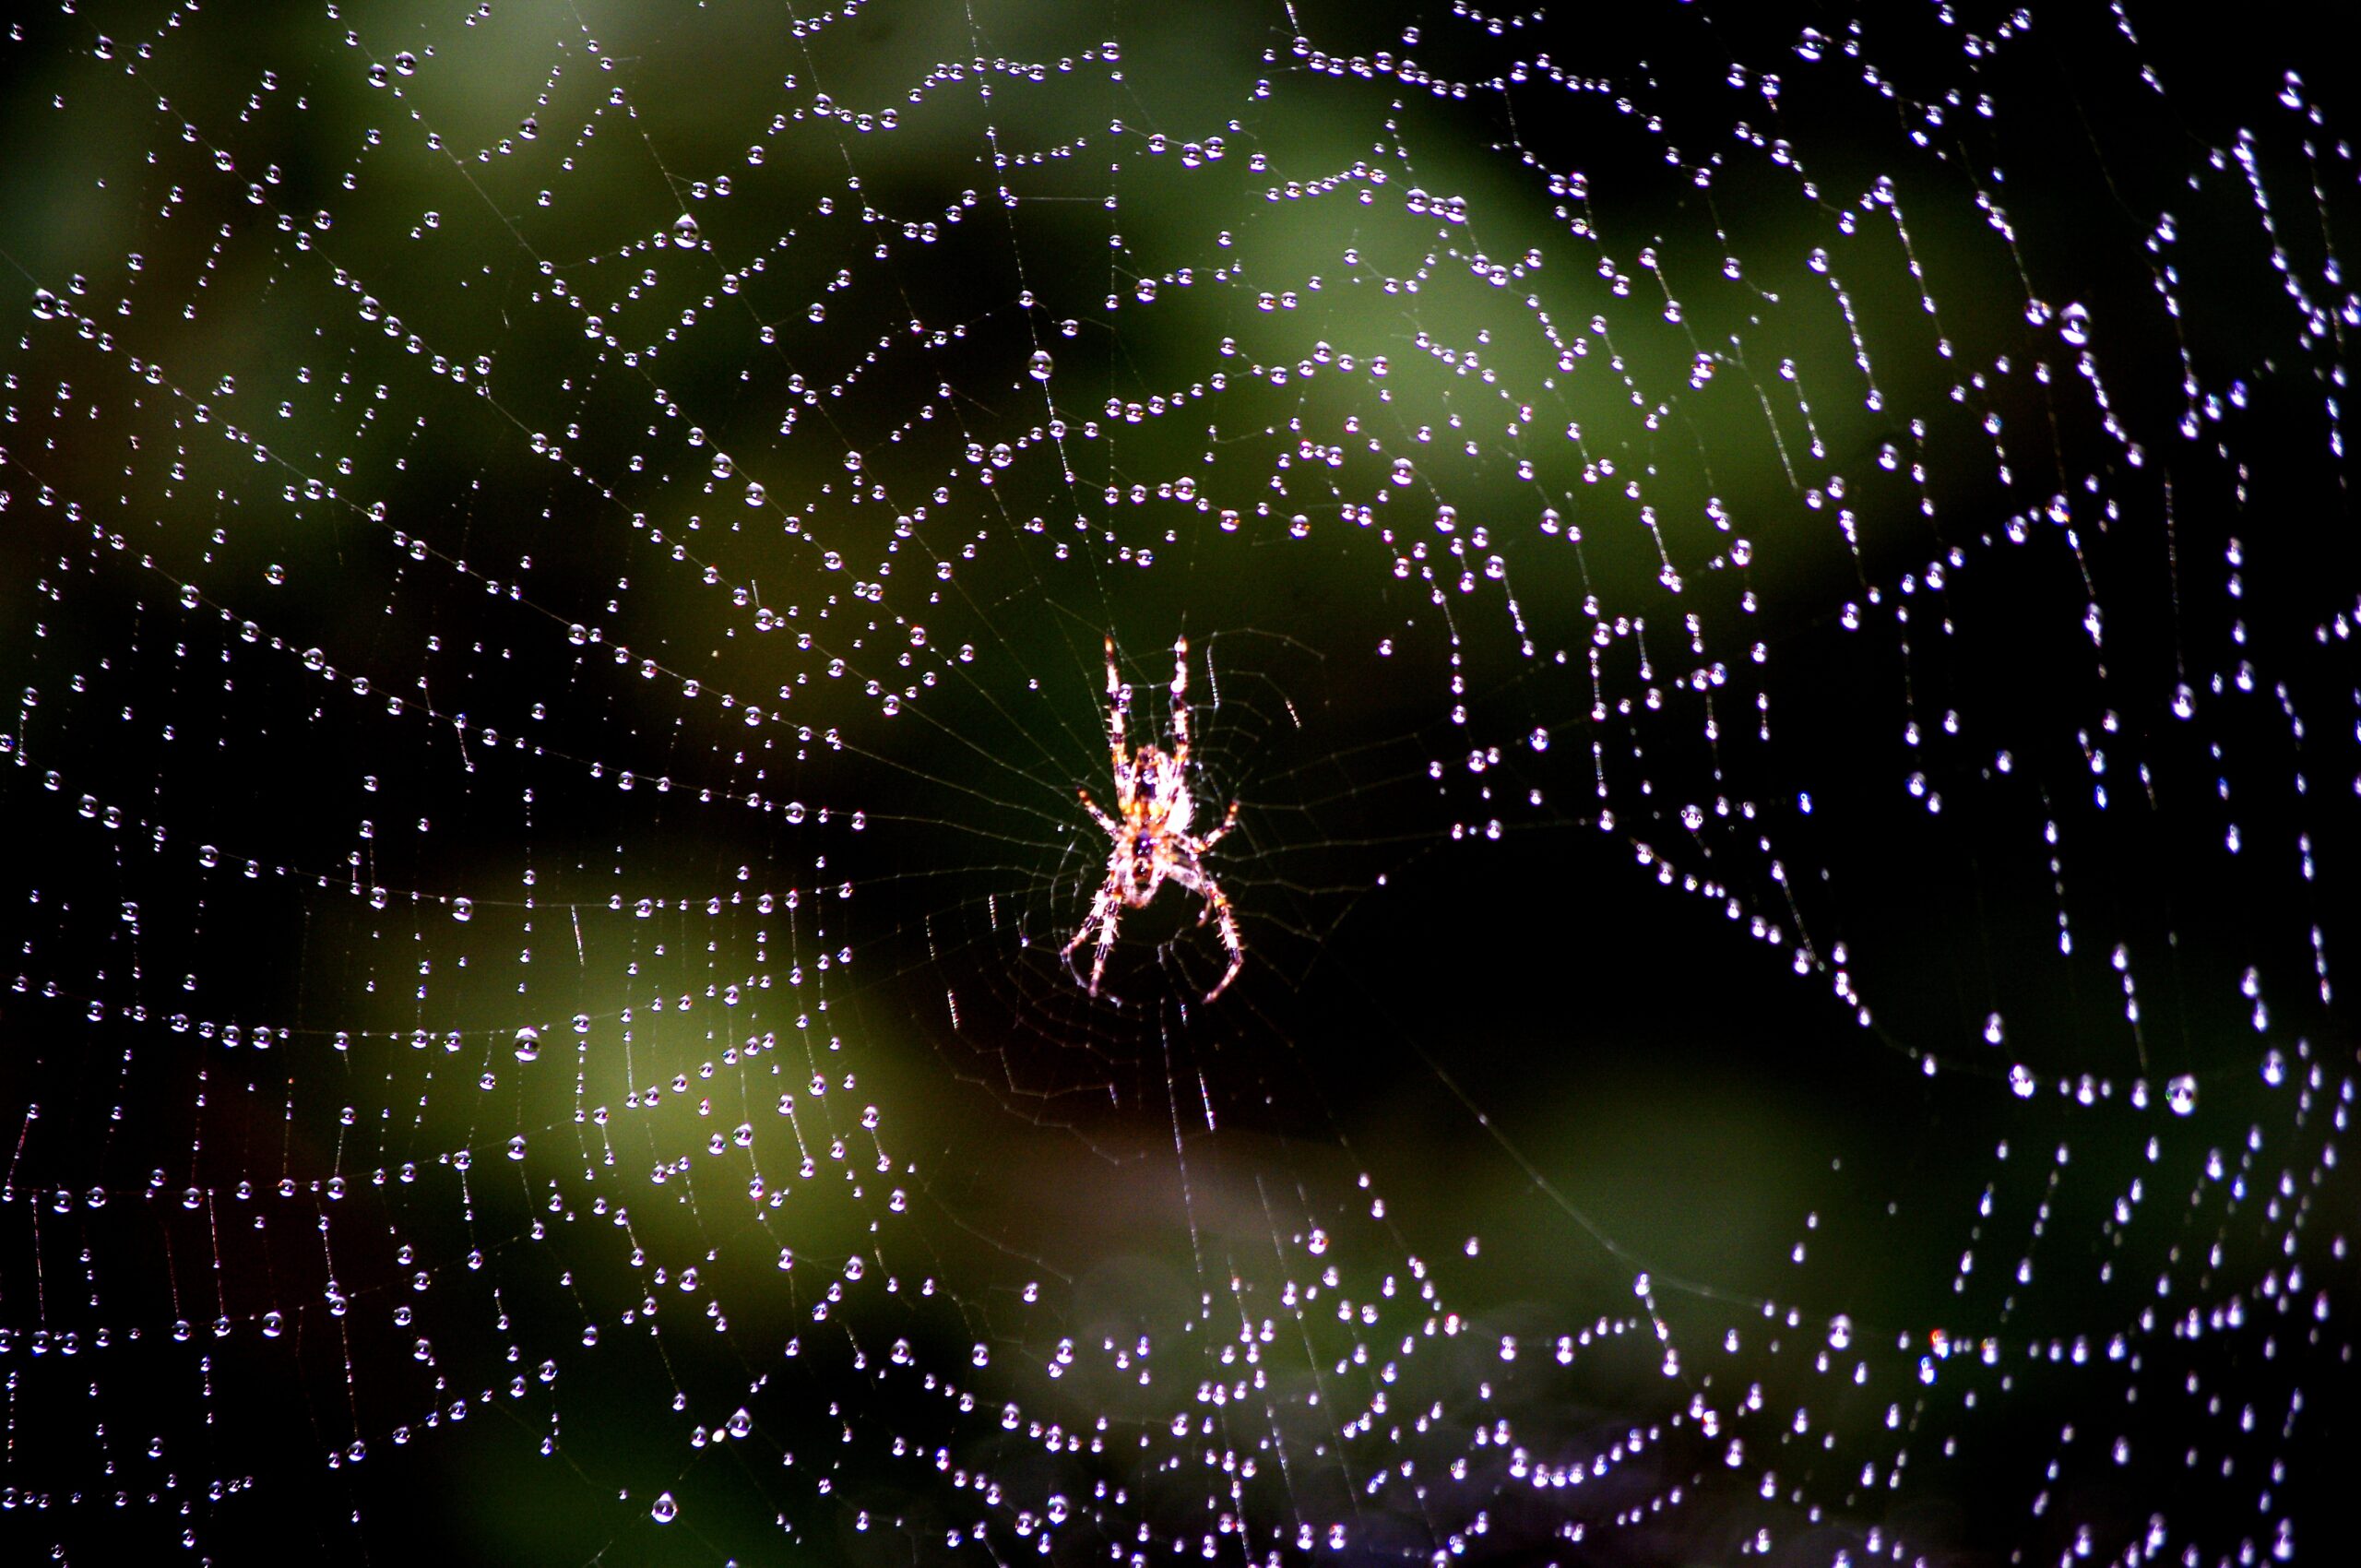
(1770, 591)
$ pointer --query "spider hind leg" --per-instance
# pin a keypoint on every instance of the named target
(1226, 922)
(1103, 914)
(1217, 909)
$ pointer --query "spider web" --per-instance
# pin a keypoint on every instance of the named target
(1773, 593)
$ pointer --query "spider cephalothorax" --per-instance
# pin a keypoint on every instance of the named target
(1153, 844)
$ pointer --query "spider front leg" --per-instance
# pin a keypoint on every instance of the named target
(1229, 821)
(1116, 700)
(1181, 700)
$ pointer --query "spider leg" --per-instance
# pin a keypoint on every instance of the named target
(1113, 827)
(1116, 698)
(1181, 700)
(1098, 913)
(1229, 821)
(1106, 939)
(1225, 920)
(1102, 915)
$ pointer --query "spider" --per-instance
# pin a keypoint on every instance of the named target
(1150, 830)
